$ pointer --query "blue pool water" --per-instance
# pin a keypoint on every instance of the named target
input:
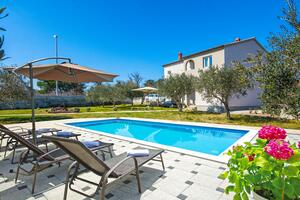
(202, 139)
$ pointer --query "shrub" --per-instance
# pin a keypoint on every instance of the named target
(270, 167)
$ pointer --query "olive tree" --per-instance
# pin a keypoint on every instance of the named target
(278, 71)
(107, 93)
(176, 87)
(223, 83)
(12, 87)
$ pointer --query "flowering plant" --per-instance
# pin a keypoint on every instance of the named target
(270, 167)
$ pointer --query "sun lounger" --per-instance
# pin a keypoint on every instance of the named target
(12, 144)
(115, 168)
(41, 159)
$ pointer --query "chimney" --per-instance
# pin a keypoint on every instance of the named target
(179, 56)
(237, 39)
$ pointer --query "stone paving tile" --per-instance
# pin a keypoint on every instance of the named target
(186, 177)
(197, 192)
(227, 196)
(172, 185)
(206, 181)
(210, 171)
(159, 195)
(179, 173)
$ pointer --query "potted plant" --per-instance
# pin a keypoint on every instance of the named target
(266, 169)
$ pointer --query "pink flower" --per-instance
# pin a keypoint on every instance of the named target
(299, 144)
(279, 149)
(271, 132)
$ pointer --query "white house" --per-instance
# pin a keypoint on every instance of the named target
(222, 55)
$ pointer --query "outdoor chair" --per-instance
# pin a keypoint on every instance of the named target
(115, 168)
(41, 160)
(23, 132)
(17, 129)
(12, 144)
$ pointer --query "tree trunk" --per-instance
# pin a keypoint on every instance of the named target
(143, 99)
(132, 102)
(179, 105)
(227, 109)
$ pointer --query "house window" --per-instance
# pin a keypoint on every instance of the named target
(207, 61)
(189, 65)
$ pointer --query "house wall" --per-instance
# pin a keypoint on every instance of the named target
(240, 52)
(221, 57)
(179, 68)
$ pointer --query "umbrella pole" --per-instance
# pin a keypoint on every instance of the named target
(32, 103)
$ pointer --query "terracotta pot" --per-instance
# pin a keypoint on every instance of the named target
(256, 196)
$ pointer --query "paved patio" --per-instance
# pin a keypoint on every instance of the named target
(185, 177)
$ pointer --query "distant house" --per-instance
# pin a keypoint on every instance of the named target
(222, 55)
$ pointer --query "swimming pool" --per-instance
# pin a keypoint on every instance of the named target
(203, 139)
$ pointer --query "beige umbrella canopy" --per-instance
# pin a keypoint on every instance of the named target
(146, 89)
(66, 72)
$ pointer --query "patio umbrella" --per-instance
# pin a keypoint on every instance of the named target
(146, 89)
(66, 72)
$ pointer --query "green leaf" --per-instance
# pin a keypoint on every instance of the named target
(261, 141)
(289, 190)
(229, 188)
(248, 143)
(261, 162)
(294, 159)
(223, 175)
(290, 171)
(238, 186)
(245, 196)
(244, 163)
(248, 189)
(296, 184)
(278, 183)
(237, 197)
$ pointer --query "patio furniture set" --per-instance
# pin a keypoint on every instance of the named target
(53, 147)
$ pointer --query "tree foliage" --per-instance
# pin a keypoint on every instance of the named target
(223, 83)
(12, 87)
(136, 78)
(278, 70)
(128, 87)
(108, 93)
(48, 87)
(150, 83)
(177, 87)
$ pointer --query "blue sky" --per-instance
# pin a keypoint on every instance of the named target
(131, 36)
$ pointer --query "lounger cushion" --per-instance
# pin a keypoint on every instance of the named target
(92, 144)
(138, 152)
(128, 165)
(44, 130)
(65, 134)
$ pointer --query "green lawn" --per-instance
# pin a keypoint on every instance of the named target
(107, 108)
(170, 115)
